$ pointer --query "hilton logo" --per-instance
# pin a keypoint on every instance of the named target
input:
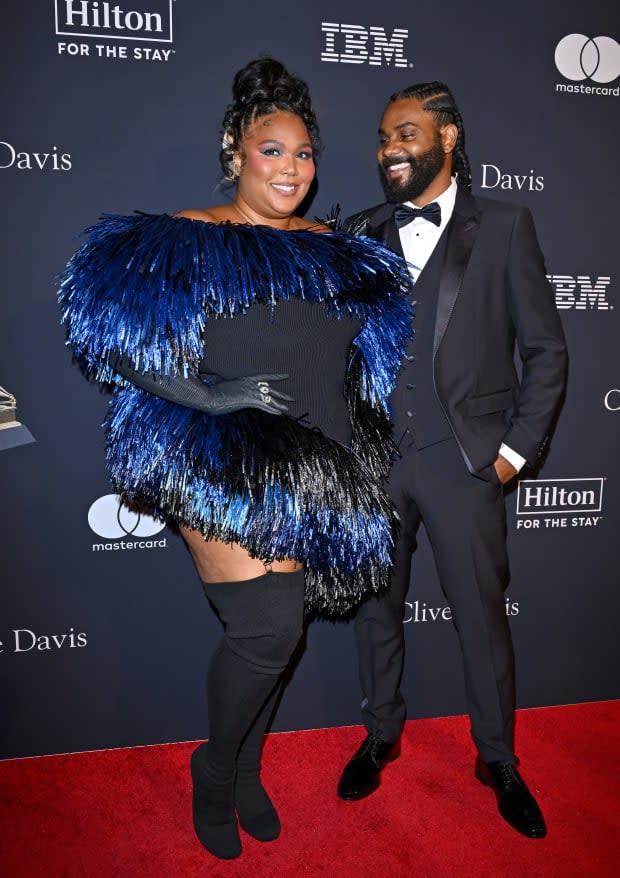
(107, 23)
(559, 495)
(559, 501)
(354, 44)
(89, 18)
(580, 293)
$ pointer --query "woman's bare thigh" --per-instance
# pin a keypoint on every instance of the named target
(217, 561)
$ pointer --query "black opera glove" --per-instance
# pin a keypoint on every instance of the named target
(253, 391)
(209, 393)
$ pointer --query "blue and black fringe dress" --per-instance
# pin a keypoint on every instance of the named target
(179, 297)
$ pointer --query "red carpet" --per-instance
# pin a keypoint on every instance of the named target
(125, 813)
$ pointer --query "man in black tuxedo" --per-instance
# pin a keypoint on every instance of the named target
(466, 423)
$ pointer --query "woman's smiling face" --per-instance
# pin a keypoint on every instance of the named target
(276, 165)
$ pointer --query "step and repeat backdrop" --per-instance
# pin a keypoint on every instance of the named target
(105, 633)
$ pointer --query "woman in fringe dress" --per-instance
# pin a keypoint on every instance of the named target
(252, 355)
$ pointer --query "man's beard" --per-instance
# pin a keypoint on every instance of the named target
(424, 169)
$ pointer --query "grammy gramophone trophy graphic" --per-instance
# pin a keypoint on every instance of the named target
(12, 432)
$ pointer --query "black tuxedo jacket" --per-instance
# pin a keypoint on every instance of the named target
(493, 294)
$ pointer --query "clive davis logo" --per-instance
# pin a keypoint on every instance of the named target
(596, 59)
(580, 293)
(559, 503)
(611, 400)
(355, 44)
(109, 25)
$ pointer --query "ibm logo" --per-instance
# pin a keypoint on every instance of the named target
(548, 496)
(580, 293)
(354, 44)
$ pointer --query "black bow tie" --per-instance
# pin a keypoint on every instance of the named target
(403, 214)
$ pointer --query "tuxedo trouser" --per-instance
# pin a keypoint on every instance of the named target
(465, 520)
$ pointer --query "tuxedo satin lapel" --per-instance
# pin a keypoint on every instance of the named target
(462, 232)
(388, 233)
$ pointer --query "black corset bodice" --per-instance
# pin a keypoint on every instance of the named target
(292, 337)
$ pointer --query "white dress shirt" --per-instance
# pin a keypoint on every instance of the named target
(418, 240)
(419, 237)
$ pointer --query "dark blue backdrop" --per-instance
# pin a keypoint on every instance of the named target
(105, 644)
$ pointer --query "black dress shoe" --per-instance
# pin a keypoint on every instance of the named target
(361, 776)
(515, 802)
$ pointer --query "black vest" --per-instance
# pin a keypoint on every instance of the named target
(417, 413)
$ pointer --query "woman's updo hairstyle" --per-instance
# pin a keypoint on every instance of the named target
(260, 88)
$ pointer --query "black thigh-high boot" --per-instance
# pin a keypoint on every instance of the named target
(263, 620)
